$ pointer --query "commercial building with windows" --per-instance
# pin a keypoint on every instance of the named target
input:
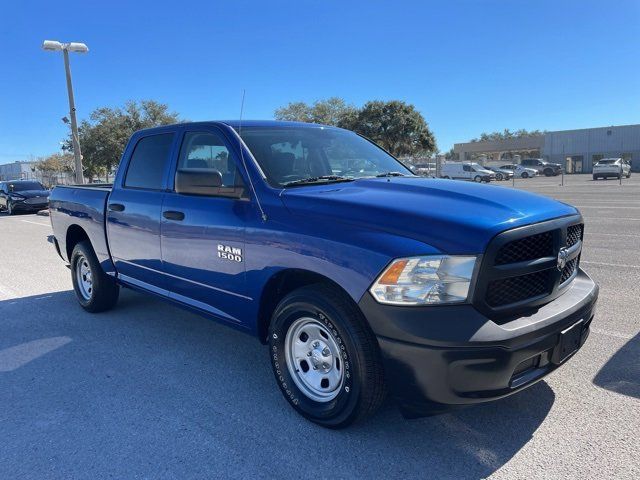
(18, 171)
(575, 150)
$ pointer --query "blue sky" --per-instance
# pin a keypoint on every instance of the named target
(468, 66)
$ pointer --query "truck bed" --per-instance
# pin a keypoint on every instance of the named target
(84, 206)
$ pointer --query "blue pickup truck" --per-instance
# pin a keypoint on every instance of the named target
(361, 277)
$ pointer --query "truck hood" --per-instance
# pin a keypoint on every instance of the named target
(453, 216)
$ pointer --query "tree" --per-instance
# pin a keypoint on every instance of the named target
(331, 111)
(506, 134)
(105, 134)
(53, 166)
(394, 125)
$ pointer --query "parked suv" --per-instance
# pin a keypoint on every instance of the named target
(611, 167)
(542, 166)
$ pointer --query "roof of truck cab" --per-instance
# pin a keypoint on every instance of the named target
(244, 123)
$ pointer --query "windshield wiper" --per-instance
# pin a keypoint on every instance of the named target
(319, 179)
(391, 174)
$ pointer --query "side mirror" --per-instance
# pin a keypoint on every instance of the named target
(198, 181)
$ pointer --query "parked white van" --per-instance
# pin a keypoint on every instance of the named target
(467, 171)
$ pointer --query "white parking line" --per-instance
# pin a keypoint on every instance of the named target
(614, 234)
(6, 293)
(611, 218)
(36, 223)
(604, 264)
(607, 207)
(612, 334)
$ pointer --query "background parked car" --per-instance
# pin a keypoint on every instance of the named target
(611, 167)
(23, 195)
(542, 166)
(520, 171)
(501, 173)
(424, 168)
(467, 171)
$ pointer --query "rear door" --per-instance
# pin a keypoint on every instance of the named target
(203, 235)
(134, 209)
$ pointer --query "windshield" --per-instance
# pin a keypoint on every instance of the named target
(24, 186)
(607, 162)
(302, 155)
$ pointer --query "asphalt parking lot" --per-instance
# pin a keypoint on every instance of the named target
(150, 391)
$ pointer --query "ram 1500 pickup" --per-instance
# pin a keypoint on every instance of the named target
(361, 277)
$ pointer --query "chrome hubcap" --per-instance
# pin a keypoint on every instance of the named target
(313, 359)
(83, 276)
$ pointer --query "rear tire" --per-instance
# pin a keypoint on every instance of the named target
(325, 357)
(96, 291)
(499, 176)
(525, 175)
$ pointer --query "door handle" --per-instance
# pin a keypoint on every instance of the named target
(172, 215)
(116, 207)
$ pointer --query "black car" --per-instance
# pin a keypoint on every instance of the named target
(23, 195)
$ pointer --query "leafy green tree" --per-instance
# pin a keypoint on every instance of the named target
(394, 125)
(506, 134)
(105, 134)
(331, 111)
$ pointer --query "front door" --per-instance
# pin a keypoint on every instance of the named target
(134, 209)
(202, 236)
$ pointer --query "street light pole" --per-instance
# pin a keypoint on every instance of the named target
(74, 124)
(65, 48)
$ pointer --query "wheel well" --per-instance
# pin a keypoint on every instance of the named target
(75, 235)
(280, 285)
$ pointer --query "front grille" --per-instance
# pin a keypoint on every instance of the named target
(568, 269)
(527, 248)
(574, 234)
(520, 267)
(516, 289)
(36, 200)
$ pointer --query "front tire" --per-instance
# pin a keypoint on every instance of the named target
(477, 179)
(96, 291)
(325, 357)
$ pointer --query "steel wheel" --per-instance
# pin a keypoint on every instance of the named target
(313, 359)
(83, 276)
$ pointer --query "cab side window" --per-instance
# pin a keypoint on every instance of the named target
(466, 168)
(207, 151)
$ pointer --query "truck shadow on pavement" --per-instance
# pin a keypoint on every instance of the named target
(621, 374)
(152, 391)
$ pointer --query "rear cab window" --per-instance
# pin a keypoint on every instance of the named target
(149, 162)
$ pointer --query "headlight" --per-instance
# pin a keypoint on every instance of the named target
(428, 280)
(13, 196)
